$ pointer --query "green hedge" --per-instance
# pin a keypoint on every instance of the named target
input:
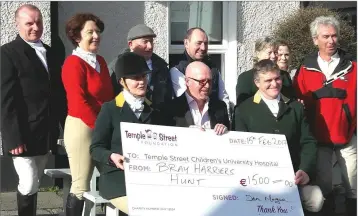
(296, 31)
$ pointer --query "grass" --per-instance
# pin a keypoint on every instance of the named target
(55, 189)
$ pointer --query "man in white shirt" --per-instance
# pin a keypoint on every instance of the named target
(327, 83)
(192, 108)
(196, 48)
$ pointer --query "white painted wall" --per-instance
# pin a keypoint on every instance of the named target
(156, 17)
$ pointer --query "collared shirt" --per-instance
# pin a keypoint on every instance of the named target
(328, 67)
(200, 119)
(273, 104)
(40, 51)
(90, 58)
(136, 104)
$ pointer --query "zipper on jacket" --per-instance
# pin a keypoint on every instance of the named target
(337, 75)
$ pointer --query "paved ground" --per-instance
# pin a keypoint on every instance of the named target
(48, 203)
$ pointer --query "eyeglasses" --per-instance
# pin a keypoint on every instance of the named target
(201, 82)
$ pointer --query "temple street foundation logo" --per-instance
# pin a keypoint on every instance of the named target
(155, 138)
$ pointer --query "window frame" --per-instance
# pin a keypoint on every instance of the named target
(217, 48)
(213, 42)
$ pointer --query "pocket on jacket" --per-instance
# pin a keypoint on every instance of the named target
(105, 168)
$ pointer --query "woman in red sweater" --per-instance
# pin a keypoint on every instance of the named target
(88, 85)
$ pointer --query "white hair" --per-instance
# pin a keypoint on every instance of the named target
(324, 20)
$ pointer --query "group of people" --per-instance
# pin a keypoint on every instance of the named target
(316, 112)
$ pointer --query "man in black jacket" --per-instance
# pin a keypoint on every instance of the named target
(196, 48)
(33, 103)
(192, 108)
(140, 41)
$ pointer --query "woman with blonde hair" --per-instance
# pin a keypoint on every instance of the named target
(265, 48)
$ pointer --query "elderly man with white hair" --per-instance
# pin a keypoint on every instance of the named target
(327, 83)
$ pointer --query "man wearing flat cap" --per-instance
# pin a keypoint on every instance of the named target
(130, 105)
(140, 41)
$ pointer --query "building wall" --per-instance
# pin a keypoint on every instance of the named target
(156, 16)
(8, 28)
(118, 18)
(256, 20)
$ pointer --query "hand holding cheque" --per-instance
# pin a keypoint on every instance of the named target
(179, 171)
(118, 160)
(219, 129)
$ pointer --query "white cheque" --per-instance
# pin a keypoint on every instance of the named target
(173, 171)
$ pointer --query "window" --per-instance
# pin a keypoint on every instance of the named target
(206, 15)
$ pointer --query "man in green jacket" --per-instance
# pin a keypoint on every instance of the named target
(269, 111)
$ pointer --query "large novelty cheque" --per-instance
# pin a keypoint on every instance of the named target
(184, 171)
